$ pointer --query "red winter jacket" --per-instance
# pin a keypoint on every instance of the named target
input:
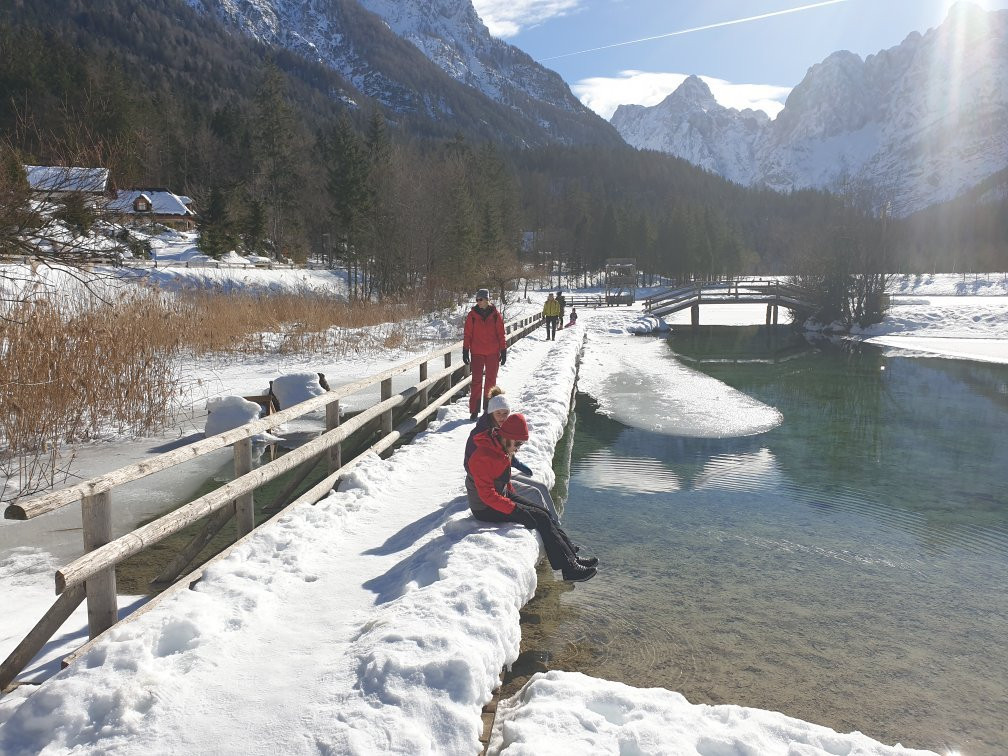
(484, 332)
(490, 470)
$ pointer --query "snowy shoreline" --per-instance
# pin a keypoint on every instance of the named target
(932, 316)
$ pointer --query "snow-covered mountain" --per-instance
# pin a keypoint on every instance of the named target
(434, 57)
(917, 124)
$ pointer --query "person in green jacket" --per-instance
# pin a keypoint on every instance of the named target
(551, 312)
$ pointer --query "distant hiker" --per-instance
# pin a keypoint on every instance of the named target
(573, 317)
(492, 498)
(563, 304)
(525, 485)
(551, 313)
(484, 346)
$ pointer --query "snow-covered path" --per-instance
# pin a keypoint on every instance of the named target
(376, 621)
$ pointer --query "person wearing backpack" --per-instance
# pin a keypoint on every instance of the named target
(484, 348)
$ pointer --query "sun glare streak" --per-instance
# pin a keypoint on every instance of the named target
(700, 28)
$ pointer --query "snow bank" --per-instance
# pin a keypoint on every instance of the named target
(950, 284)
(974, 328)
(566, 712)
(647, 324)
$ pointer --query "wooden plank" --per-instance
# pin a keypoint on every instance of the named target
(102, 603)
(39, 635)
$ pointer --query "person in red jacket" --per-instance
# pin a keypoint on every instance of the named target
(485, 348)
(492, 497)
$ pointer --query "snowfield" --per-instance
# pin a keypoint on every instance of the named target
(378, 620)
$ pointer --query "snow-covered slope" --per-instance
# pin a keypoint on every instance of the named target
(917, 124)
(414, 56)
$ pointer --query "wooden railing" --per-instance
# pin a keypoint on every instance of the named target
(728, 292)
(92, 576)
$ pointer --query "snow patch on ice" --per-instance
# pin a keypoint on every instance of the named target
(637, 382)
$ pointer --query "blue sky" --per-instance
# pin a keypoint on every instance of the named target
(752, 53)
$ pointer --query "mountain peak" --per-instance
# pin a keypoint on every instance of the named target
(693, 93)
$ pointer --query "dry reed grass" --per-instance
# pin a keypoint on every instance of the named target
(79, 368)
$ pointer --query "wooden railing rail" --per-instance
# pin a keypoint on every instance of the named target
(93, 574)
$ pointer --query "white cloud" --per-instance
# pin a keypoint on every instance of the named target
(505, 18)
(603, 94)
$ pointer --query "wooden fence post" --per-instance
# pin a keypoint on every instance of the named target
(244, 504)
(386, 418)
(102, 606)
(332, 420)
(424, 393)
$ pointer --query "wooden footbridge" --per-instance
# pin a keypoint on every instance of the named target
(773, 294)
(393, 419)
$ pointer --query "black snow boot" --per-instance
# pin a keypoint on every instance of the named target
(575, 573)
(588, 561)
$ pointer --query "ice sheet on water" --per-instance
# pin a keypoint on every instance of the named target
(637, 381)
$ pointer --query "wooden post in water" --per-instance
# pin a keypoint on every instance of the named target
(96, 518)
(244, 504)
(694, 315)
(332, 419)
(386, 418)
(769, 312)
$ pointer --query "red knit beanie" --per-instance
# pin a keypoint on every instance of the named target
(515, 428)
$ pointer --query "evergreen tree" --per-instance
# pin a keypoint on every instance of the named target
(215, 226)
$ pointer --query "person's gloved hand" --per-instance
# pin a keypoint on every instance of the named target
(503, 356)
(465, 356)
(521, 467)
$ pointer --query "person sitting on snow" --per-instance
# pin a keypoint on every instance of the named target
(573, 317)
(524, 483)
(492, 498)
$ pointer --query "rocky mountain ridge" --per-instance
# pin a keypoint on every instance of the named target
(430, 56)
(911, 126)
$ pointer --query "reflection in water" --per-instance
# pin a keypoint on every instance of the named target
(849, 567)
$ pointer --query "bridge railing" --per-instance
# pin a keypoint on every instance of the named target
(741, 290)
(92, 576)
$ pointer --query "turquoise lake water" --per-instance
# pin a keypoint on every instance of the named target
(849, 567)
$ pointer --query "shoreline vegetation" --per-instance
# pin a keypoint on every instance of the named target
(101, 363)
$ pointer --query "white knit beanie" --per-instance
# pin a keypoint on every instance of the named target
(498, 402)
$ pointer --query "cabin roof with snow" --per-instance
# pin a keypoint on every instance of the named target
(59, 178)
(162, 202)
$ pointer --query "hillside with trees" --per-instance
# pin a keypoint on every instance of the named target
(284, 158)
